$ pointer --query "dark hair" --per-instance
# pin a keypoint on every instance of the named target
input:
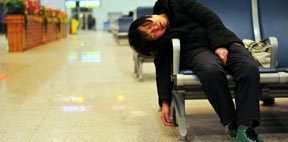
(137, 39)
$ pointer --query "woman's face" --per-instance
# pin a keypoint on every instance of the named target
(155, 27)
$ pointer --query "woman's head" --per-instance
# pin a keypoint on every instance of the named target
(144, 30)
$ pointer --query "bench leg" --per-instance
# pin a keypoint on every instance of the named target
(179, 104)
(173, 114)
(135, 64)
(139, 69)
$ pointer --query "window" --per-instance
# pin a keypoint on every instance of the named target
(90, 4)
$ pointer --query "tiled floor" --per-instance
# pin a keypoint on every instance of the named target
(83, 89)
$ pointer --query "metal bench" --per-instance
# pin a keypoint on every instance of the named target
(243, 20)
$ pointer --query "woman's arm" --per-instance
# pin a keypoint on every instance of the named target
(163, 66)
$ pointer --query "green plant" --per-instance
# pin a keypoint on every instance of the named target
(14, 6)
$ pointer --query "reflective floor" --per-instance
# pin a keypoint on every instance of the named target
(83, 89)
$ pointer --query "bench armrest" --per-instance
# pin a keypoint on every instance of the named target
(274, 50)
(176, 55)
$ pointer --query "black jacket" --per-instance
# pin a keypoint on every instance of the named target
(198, 29)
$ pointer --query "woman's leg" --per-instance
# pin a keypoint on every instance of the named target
(245, 72)
(210, 70)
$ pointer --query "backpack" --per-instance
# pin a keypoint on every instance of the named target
(260, 51)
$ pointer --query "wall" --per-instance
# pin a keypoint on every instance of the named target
(123, 6)
(57, 4)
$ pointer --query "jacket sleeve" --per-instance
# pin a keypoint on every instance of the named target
(159, 7)
(163, 66)
(217, 32)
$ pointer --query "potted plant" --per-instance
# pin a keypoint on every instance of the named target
(14, 18)
(14, 6)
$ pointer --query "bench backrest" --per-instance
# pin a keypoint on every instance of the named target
(124, 24)
(236, 15)
(273, 19)
(143, 10)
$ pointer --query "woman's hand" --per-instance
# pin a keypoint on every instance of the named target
(222, 53)
(165, 114)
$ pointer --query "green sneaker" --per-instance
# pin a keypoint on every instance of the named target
(246, 134)
(231, 130)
